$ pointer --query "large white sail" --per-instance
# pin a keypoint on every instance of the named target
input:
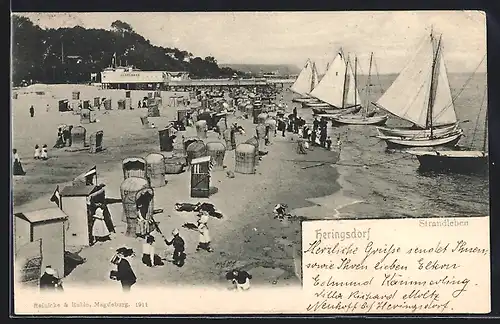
(331, 87)
(443, 111)
(302, 85)
(408, 96)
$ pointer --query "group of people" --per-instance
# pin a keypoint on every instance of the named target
(41, 154)
(64, 136)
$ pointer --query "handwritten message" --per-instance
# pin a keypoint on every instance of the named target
(397, 266)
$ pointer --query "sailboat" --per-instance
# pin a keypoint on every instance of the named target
(305, 82)
(366, 117)
(421, 94)
(456, 161)
(336, 92)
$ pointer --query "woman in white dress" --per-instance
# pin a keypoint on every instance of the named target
(204, 243)
(100, 231)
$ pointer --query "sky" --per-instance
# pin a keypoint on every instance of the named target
(293, 37)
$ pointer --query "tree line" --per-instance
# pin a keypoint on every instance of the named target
(70, 55)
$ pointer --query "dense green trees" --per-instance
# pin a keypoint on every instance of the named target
(69, 55)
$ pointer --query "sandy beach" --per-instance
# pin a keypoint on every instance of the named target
(247, 237)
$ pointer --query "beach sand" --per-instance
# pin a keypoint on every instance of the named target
(247, 237)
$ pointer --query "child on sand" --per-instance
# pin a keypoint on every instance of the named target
(36, 155)
(44, 154)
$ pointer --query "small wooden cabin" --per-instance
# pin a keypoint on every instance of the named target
(47, 225)
(74, 204)
(200, 177)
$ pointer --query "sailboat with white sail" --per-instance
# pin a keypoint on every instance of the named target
(421, 95)
(305, 82)
(336, 92)
(366, 117)
(460, 160)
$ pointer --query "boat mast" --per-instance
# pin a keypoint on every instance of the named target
(368, 84)
(433, 87)
(345, 82)
(355, 80)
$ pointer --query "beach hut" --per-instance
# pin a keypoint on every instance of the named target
(131, 190)
(261, 118)
(201, 128)
(195, 150)
(75, 95)
(97, 103)
(261, 131)
(157, 94)
(96, 141)
(47, 226)
(174, 164)
(121, 104)
(134, 167)
(182, 116)
(245, 156)
(64, 105)
(200, 177)
(153, 110)
(166, 139)
(78, 137)
(217, 151)
(145, 122)
(155, 165)
(73, 201)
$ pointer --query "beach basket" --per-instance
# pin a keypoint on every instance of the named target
(260, 131)
(145, 122)
(134, 167)
(85, 116)
(127, 94)
(97, 102)
(155, 166)
(217, 151)
(121, 104)
(78, 137)
(150, 95)
(256, 112)
(153, 110)
(195, 150)
(75, 95)
(245, 156)
(128, 104)
(96, 141)
(86, 104)
(249, 110)
(107, 104)
(182, 116)
(130, 190)
(222, 124)
(201, 128)
(261, 118)
(174, 164)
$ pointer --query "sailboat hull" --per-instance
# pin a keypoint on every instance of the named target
(400, 142)
(360, 120)
(415, 133)
(330, 113)
(465, 162)
(304, 100)
(317, 104)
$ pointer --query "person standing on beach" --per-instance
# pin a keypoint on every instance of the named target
(44, 155)
(204, 243)
(36, 155)
(48, 108)
(178, 243)
(322, 137)
(17, 168)
(149, 257)
(329, 143)
(295, 112)
(339, 144)
(124, 272)
(32, 111)
(100, 231)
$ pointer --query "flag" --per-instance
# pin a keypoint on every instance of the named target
(56, 197)
(87, 178)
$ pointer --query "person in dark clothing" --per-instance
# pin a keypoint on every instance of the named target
(67, 135)
(32, 111)
(17, 168)
(329, 143)
(124, 272)
(315, 124)
(295, 112)
(240, 279)
(313, 138)
(179, 256)
(322, 137)
(139, 104)
(49, 280)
